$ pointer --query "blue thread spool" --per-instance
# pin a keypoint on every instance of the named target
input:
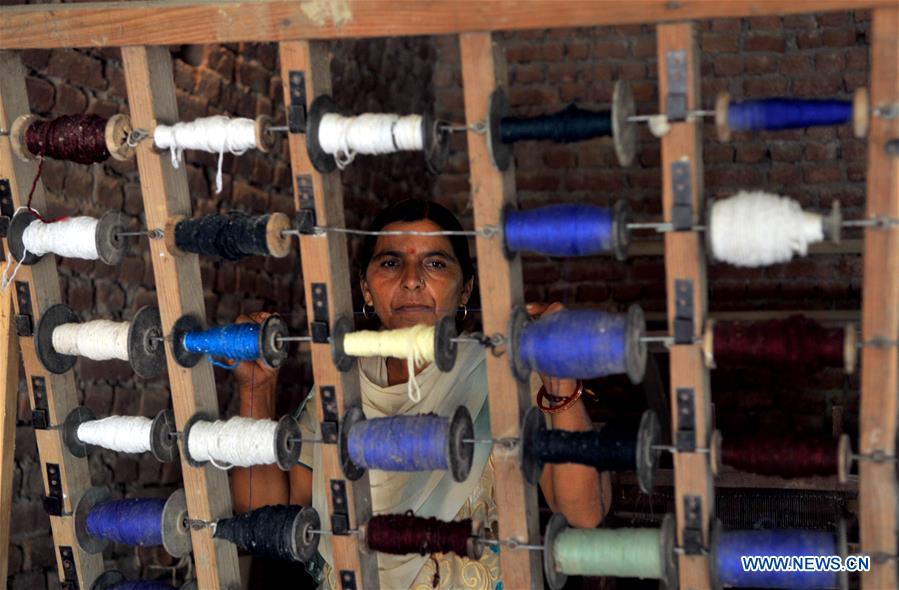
(728, 546)
(138, 522)
(423, 442)
(567, 230)
(579, 344)
(774, 114)
(236, 342)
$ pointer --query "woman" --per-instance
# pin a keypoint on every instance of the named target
(408, 280)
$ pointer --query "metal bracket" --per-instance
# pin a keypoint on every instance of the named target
(53, 501)
(320, 328)
(306, 220)
(7, 207)
(686, 420)
(347, 580)
(69, 569)
(329, 414)
(892, 147)
(692, 533)
(25, 317)
(40, 413)
(340, 514)
(676, 99)
(296, 117)
(682, 189)
(683, 311)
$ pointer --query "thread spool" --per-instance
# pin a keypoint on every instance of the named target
(116, 580)
(794, 341)
(615, 123)
(435, 138)
(445, 348)
(191, 342)
(138, 522)
(110, 247)
(774, 114)
(609, 552)
(726, 548)
(566, 230)
(232, 236)
(282, 532)
(115, 132)
(578, 344)
(160, 442)
(406, 443)
(405, 534)
(286, 442)
(785, 456)
(145, 351)
(612, 448)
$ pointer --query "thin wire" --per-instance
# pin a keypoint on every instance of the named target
(488, 231)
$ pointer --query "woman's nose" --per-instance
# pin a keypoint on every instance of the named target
(412, 278)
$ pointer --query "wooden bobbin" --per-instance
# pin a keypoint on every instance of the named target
(17, 132)
(708, 344)
(715, 441)
(169, 235)
(844, 458)
(265, 139)
(832, 223)
(861, 112)
(722, 104)
(850, 348)
(118, 128)
(278, 244)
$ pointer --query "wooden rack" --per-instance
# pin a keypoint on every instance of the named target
(143, 29)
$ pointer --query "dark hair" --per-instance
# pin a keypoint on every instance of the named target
(416, 210)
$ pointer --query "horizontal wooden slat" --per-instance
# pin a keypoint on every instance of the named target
(175, 22)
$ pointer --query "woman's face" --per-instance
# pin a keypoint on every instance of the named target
(414, 279)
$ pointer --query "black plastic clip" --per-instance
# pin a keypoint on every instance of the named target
(7, 207)
(347, 580)
(340, 514)
(683, 311)
(25, 317)
(320, 328)
(40, 413)
(686, 420)
(693, 525)
(676, 99)
(69, 569)
(306, 219)
(681, 185)
(296, 117)
(53, 500)
(329, 414)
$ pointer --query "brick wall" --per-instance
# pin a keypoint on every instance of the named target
(238, 80)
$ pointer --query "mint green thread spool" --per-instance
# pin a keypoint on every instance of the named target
(621, 553)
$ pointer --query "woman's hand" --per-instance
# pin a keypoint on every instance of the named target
(555, 386)
(255, 374)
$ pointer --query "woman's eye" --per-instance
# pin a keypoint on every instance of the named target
(438, 264)
(390, 263)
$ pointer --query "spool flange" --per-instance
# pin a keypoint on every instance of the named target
(518, 321)
(287, 442)
(273, 350)
(436, 143)
(321, 160)
(305, 544)
(185, 324)
(198, 417)
(342, 327)
(532, 427)
(621, 235)
(110, 246)
(145, 353)
(118, 129)
(624, 132)
(844, 458)
(20, 221)
(174, 525)
(500, 153)
(75, 418)
(278, 244)
(554, 578)
(445, 349)
(89, 499)
(648, 435)
(667, 543)
(636, 347)
(163, 444)
(459, 453)
(350, 418)
(108, 580)
(53, 361)
(17, 132)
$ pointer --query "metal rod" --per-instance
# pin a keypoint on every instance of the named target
(643, 118)
(278, 128)
(660, 226)
(324, 532)
(293, 339)
(879, 221)
(153, 234)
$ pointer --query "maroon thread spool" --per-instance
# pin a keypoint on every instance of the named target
(86, 139)
(789, 457)
(793, 341)
(404, 534)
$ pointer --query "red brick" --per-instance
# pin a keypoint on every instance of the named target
(821, 151)
(69, 100)
(611, 48)
(784, 174)
(77, 68)
(40, 94)
(764, 87)
(856, 58)
(537, 181)
(573, 92)
(562, 72)
(728, 65)
(856, 172)
(795, 63)
(839, 37)
(809, 40)
(733, 177)
(645, 47)
(750, 153)
(524, 74)
(222, 61)
(758, 42)
(732, 25)
(577, 50)
(599, 72)
(762, 63)
(632, 71)
(592, 293)
(629, 30)
(36, 59)
(820, 86)
(764, 23)
(719, 43)
(519, 96)
(820, 174)
(799, 21)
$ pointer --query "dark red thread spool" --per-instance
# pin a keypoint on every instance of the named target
(787, 457)
(403, 534)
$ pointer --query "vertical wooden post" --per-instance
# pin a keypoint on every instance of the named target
(9, 381)
(56, 393)
(151, 98)
(326, 276)
(500, 284)
(880, 318)
(678, 59)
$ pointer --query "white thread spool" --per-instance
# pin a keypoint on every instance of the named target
(216, 135)
(123, 434)
(237, 442)
(415, 344)
(99, 340)
(75, 237)
(757, 229)
(369, 133)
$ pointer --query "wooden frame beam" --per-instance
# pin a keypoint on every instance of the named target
(176, 22)
(878, 490)
(151, 98)
(9, 381)
(500, 284)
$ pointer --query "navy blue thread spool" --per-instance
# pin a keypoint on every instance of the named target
(231, 236)
(282, 532)
(726, 548)
(573, 124)
(567, 230)
(615, 447)
(578, 344)
(116, 580)
(145, 522)
(790, 113)
(249, 341)
(406, 443)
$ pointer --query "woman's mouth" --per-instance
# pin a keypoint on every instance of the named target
(414, 309)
